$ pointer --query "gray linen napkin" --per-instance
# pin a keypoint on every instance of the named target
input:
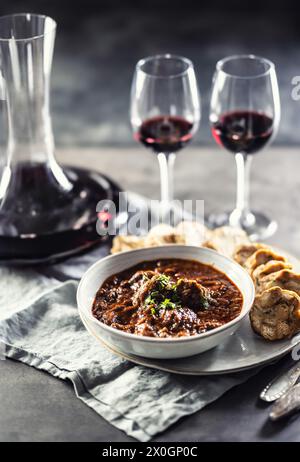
(45, 331)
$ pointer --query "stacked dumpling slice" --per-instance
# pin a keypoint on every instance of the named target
(275, 313)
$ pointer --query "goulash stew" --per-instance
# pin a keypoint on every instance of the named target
(167, 298)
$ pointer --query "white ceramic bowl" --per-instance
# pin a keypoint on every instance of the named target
(167, 347)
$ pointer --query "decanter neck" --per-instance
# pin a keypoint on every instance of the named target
(25, 67)
(30, 137)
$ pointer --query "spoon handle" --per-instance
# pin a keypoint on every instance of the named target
(281, 384)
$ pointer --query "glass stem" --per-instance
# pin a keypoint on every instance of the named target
(166, 166)
(242, 210)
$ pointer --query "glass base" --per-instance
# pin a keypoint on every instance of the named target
(257, 225)
(60, 224)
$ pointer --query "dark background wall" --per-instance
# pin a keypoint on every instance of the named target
(99, 42)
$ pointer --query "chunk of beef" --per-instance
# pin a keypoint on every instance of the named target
(182, 321)
(192, 294)
(141, 276)
(145, 289)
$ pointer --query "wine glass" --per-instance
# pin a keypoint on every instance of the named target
(244, 117)
(165, 113)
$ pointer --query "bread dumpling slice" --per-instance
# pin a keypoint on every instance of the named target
(163, 234)
(244, 251)
(261, 257)
(194, 232)
(286, 279)
(225, 240)
(275, 314)
(264, 273)
(124, 243)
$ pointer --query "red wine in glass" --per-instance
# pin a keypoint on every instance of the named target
(165, 114)
(166, 134)
(244, 116)
(243, 131)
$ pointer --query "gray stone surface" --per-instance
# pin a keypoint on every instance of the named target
(209, 174)
(35, 406)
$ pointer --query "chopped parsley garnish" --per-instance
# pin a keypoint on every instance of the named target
(163, 296)
(204, 302)
(145, 277)
(168, 295)
(164, 282)
(167, 303)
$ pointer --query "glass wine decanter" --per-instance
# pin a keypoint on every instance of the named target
(46, 211)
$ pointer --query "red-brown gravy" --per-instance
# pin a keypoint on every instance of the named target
(167, 298)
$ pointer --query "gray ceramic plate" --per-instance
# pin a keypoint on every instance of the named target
(243, 350)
